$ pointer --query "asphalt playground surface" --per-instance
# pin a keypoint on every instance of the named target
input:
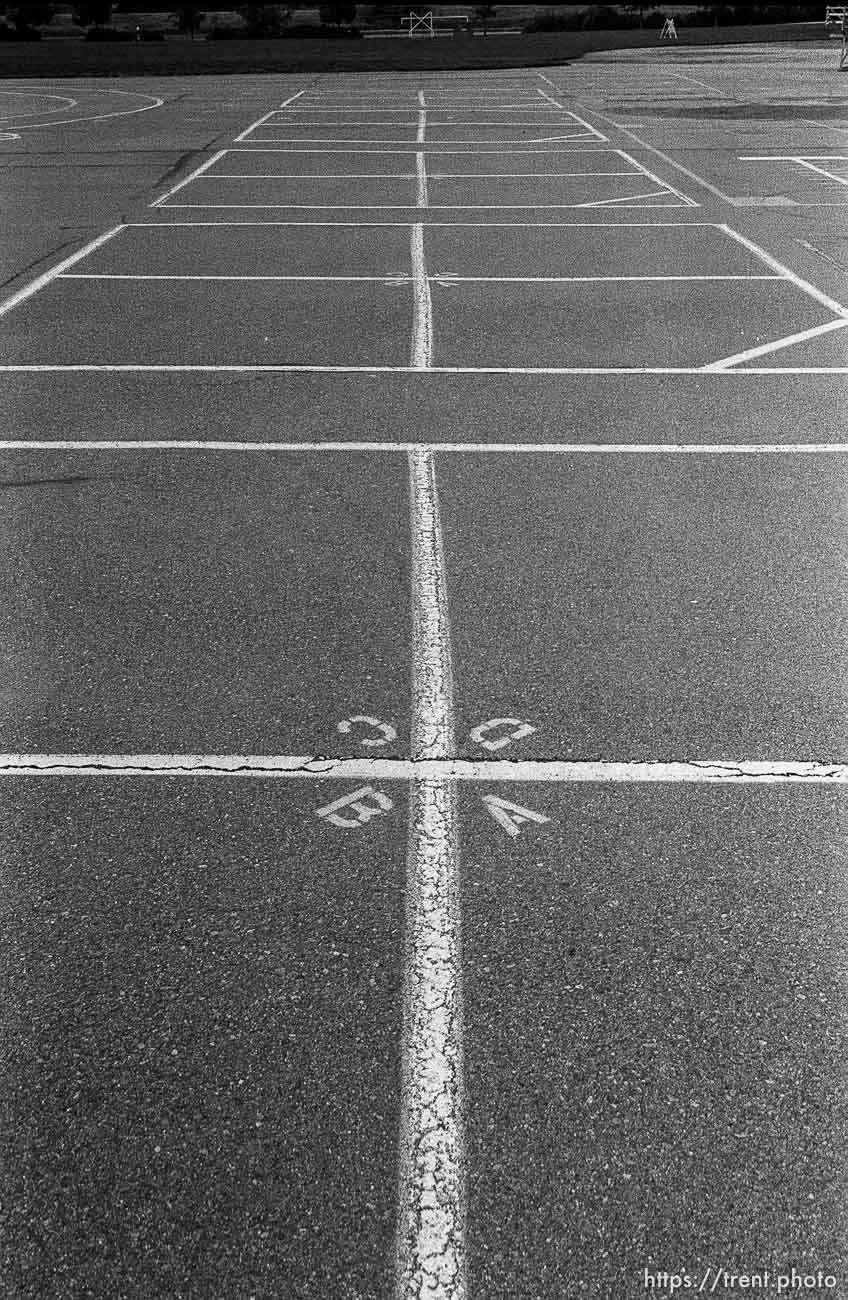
(423, 702)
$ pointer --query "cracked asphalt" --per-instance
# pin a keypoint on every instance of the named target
(202, 975)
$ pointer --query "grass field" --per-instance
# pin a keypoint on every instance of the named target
(75, 58)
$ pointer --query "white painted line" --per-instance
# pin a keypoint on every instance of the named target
(499, 176)
(840, 180)
(803, 285)
(158, 368)
(422, 322)
(627, 201)
(344, 279)
(344, 123)
(454, 279)
(611, 227)
(433, 722)
(793, 157)
(55, 271)
(421, 100)
(259, 122)
(337, 176)
(403, 176)
(432, 148)
(765, 348)
(594, 131)
(210, 162)
(653, 176)
(484, 106)
(685, 76)
(701, 771)
(434, 207)
(430, 1242)
(473, 448)
(155, 102)
(430, 1254)
(448, 144)
(421, 177)
(407, 112)
(671, 162)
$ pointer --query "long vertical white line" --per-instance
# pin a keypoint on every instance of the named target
(422, 312)
(420, 166)
(430, 1257)
(422, 118)
(432, 685)
(421, 176)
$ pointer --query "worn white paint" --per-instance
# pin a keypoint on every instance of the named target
(709, 771)
(430, 1239)
(421, 181)
(473, 448)
(386, 730)
(422, 321)
(422, 336)
(432, 670)
(518, 730)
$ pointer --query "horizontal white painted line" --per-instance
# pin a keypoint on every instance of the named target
(475, 448)
(430, 145)
(444, 275)
(339, 110)
(370, 279)
(402, 769)
(399, 176)
(430, 207)
(498, 176)
(323, 176)
(793, 157)
(318, 139)
(154, 368)
(612, 227)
